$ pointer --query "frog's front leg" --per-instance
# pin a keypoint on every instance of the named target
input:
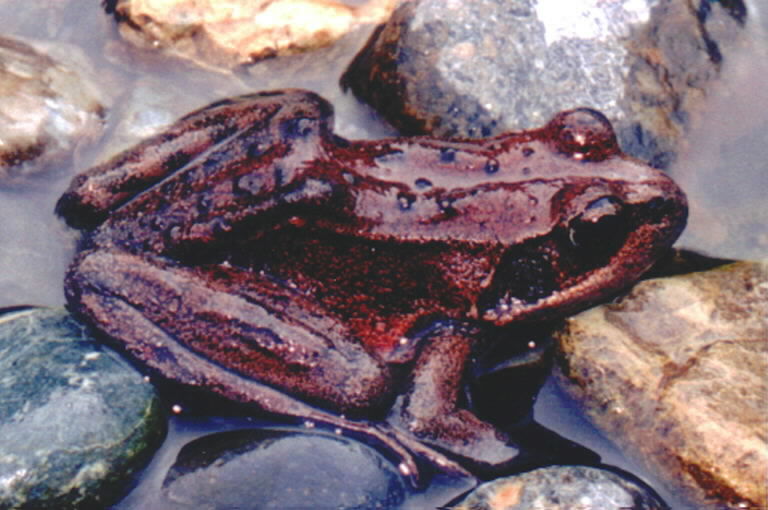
(243, 336)
(429, 409)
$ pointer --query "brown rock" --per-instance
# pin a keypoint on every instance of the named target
(676, 373)
(238, 32)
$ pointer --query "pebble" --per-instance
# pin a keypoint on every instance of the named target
(563, 488)
(281, 469)
(77, 422)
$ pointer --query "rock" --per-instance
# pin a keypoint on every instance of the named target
(76, 421)
(280, 468)
(676, 374)
(48, 104)
(563, 488)
(452, 68)
(240, 32)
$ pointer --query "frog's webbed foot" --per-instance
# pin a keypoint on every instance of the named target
(171, 319)
(429, 412)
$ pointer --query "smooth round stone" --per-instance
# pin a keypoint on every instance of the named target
(280, 468)
(76, 421)
(563, 488)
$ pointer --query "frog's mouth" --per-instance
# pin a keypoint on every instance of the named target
(587, 259)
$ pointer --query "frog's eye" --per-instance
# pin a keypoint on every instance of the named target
(602, 226)
(583, 134)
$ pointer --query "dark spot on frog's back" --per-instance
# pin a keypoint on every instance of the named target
(447, 155)
(405, 200)
(393, 156)
(422, 183)
(492, 166)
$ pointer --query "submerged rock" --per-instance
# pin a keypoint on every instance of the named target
(76, 421)
(48, 105)
(280, 468)
(676, 373)
(452, 68)
(230, 34)
(563, 488)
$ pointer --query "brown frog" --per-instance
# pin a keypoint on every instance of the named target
(249, 251)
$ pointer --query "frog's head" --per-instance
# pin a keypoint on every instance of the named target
(603, 220)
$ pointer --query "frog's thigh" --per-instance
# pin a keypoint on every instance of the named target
(214, 324)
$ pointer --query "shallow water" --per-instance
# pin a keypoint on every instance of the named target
(722, 168)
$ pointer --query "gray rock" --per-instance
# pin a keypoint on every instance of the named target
(676, 374)
(479, 68)
(76, 421)
(563, 488)
(49, 105)
(280, 468)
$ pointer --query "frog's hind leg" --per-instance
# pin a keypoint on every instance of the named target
(240, 320)
(141, 305)
(429, 410)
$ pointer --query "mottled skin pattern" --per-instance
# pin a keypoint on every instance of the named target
(249, 251)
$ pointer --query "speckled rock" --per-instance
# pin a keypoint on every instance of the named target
(563, 488)
(454, 68)
(676, 373)
(48, 105)
(240, 32)
(280, 468)
(76, 421)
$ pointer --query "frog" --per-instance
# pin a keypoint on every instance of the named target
(250, 252)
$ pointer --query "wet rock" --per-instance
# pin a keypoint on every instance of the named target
(231, 34)
(676, 373)
(280, 468)
(48, 106)
(479, 68)
(76, 421)
(563, 488)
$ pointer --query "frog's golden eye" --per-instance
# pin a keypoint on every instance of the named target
(602, 225)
